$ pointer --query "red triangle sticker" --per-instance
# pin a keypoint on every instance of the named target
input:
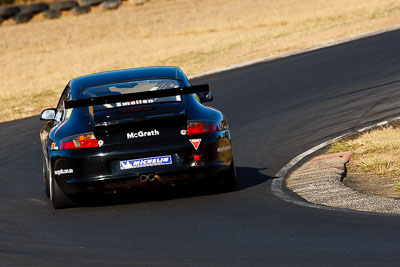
(195, 143)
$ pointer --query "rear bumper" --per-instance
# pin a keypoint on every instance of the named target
(162, 178)
(99, 170)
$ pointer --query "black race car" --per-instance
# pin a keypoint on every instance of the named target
(132, 129)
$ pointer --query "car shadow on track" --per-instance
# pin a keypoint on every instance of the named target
(247, 177)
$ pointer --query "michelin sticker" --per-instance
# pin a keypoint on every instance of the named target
(145, 162)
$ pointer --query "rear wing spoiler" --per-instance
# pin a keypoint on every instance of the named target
(101, 100)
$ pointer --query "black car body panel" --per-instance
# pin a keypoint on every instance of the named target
(134, 144)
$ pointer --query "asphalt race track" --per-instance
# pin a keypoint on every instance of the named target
(277, 110)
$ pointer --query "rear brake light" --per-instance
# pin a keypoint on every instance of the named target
(78, 141)
(200, 127)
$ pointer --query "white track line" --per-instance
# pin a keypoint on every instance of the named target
(277, 183)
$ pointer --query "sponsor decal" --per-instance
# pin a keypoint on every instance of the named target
(145, 162)
(133, 135)
(54, 146)
(224, 148)
(195, 143)
(59, 172)
(100, 143)
(130, 103)
(135, 102)
(69, 112)
(183, 132)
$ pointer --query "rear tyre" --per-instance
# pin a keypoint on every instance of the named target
(63, 5)
(52, 14)
(46, 179)
(23, 17)
(111, 4)
(229, 180)
(9, 11)
(79, 10)
(34, 8)
(57, 196)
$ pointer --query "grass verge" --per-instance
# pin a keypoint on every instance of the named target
(374, 153)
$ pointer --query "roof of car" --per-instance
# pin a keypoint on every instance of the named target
(125, 75)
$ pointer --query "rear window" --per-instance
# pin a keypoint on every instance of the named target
(133, 87)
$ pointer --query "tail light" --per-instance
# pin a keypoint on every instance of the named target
(78, 141)
(201, 127)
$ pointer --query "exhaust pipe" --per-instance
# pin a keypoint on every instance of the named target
(151, 177)
(147, 177)
(143, 178)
